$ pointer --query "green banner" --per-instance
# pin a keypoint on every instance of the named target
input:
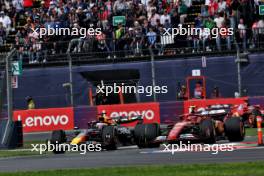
(16, 68)
(119, 20)
(261, 10)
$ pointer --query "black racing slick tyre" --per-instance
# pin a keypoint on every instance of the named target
(234, 129)
(207, 131)
(58, 137)
(109, 138)
(145, 134)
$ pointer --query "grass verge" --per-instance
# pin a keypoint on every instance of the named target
(252, 131)
(13, 153)
(229, 169)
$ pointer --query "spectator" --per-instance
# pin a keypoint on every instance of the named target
(102, 47)
(182, 10)
(6, 21)
(216, 93)
(245, 8)
(138, 41)
(30, 103)
(219, 20)
(196, 42)
(261, 31)
(152, 37)
(188, 3)
(233, 20)
(198, 22)
(129, 42)
(175, 19)
(18, 4)
(242, 38)
(204, 11)
(2, 34)
(198, 91)
(120, 7)
(223, 37)
(27, 49)
(255, 36)
(19, 46)
(209, 23)
(165, 17)
(234, 6)
(119, 38)
(221, 6)
(213, 7)
(205, 38)
(153, 18)
(36, 50)
(182, 94)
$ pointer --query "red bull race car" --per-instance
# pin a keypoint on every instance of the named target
(109, 133)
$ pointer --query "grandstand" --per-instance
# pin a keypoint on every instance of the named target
(18, 17)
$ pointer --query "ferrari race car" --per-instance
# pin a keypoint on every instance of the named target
(110, 133)
(207, 125)
(248, 113)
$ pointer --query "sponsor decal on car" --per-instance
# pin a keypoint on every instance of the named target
(37, 120)
(150, 112)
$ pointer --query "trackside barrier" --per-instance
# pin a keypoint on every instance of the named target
(12, 139)
(260, 134)
(153, 112)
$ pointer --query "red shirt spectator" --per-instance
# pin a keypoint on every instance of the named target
(198, 91)
(213, 7)
(28, 3)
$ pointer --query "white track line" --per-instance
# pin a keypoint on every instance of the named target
(179, 151)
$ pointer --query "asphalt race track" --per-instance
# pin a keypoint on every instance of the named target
(127, 156)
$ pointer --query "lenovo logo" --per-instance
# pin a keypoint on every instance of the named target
(46, 119)
(146, 114)
(149, 111)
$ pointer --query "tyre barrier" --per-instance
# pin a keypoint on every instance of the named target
(11, 134)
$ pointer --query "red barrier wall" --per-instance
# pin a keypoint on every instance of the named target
(46, 119)
(63, 118)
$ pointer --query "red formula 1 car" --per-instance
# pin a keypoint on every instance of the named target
(248, 113)
(207, 125)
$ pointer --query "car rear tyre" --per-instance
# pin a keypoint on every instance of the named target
(109, 138)
(208, 133)
(145, 134)
(58, 137)
(234, 129)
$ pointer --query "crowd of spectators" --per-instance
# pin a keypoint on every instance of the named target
(145, 21)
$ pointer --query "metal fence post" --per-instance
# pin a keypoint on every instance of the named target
(153, 73)
(9, 95)
(70, 72)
